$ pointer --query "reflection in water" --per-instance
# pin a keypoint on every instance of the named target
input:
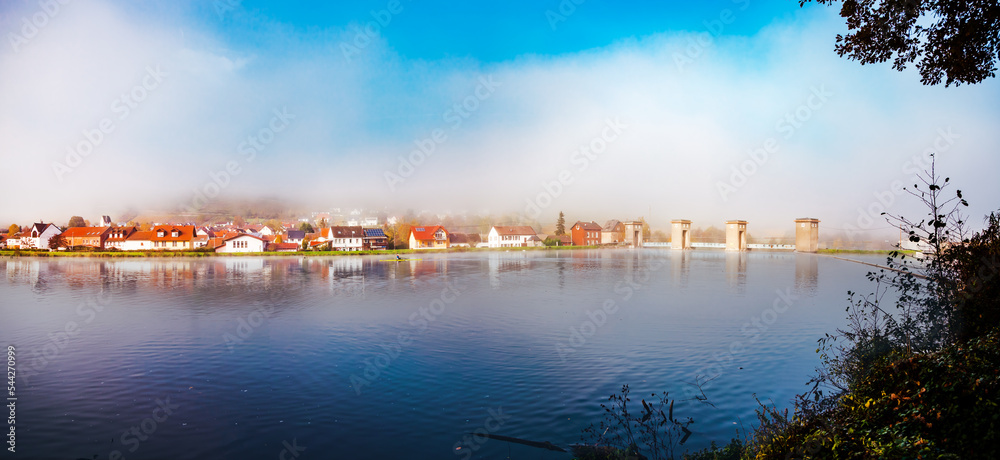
(680, 262)
(806, 273)
(345, 276)
(305, 325)
(736, 270)
(501, 263)
(25, 271)
(561, 271)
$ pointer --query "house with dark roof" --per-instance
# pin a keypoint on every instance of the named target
(343, 238)
(512, 236)
(375, 239)
(428, 237)
(38, 236)
(464, 240)
(294, 236)
(586, 233)
(613, 232)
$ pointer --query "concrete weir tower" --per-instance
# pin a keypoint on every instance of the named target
(736, 235)
(680, 234)
(806, 234)
(633, 234)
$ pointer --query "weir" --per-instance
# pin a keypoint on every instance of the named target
(806, 237)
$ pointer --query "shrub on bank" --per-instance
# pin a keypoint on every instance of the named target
(944, 404)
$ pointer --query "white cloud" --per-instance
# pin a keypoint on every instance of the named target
(687, 127)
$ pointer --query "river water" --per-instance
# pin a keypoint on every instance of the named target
(357, 357)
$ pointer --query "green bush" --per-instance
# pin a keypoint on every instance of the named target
(944, 404)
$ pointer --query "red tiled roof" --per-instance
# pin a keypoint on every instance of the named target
(125, 232)
(184, 233)
(233, 237)
(79, 232)
(227, 234)
(425, 232)
(148, 236)
(282, 247)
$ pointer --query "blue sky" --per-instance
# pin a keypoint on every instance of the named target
(498, 31)
(699, 110)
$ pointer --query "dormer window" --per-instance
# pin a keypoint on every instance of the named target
(160, 233)
(173, 233)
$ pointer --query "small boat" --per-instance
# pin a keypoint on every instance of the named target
(396, 260)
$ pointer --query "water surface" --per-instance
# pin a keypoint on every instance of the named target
(353, 357)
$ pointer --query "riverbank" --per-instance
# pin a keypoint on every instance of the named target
(133, 254)
(908, 252)
(127, 254)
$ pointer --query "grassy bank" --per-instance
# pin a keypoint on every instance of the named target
(865, 251)
(133, 254)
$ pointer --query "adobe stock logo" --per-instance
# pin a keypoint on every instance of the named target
(581, 158)
(426, 146)
(787, 126)
(30, 28)
(371, 30)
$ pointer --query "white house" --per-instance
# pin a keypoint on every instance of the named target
(118, 237)
(242, 243)
(39, 235)
(294, 236)
(507, 236)
(259, 230)
(138, 241)
(13, 242)
(349, 238)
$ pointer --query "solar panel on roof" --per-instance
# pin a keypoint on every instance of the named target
(420, 229)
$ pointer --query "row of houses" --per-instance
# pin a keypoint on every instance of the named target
(518, 236)
(227, 238)
(190, 237)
